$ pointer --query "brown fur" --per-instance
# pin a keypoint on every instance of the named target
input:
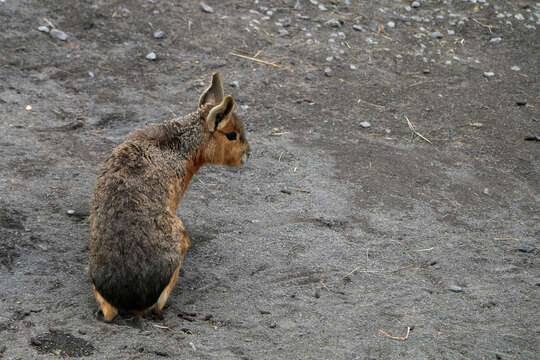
(137, 243)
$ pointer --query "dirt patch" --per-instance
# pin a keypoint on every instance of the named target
(62, 344)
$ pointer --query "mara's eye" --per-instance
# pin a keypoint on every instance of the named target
(231, 136)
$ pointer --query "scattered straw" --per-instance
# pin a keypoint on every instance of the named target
(49, 22)
(400, 338)
(416, 132)
(380, 107)
(486, 26)
(257, 60)
(276, 132)
(421, 250)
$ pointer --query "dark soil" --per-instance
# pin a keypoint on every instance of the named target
(333, 231)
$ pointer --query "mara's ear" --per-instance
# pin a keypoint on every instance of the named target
(214, 93)
(219, 116)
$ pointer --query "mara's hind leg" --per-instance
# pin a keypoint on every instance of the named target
(184, 242)
(109, 311)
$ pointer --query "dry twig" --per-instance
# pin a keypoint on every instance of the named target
(400, 338)
(380, 107)
(416, 132)
(257, 60)
(486, 26)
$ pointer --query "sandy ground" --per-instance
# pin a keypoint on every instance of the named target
(336, 229)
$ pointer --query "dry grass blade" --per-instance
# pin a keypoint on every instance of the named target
(416, 132)
(400, 338)
(50, 23)
(486, 26)
(380, 107)
(257, 60)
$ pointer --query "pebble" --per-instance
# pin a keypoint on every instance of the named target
(519, 17)
(322, 7)
(309, 77)
(327, 71)
(515, 68)
(283, 32)
(159, 35)
(373, 27)
(353, 67)
(60, 35)
(521, 102)
(365, 124)
(489, 74)
(451, 32)
(436, 35)
(335, 23)
(298, 6)
(235, 84)
(495, 40)
(44, 29)
(206, 8)
(455, 288)
(391, 24)
(415, 4)
(70, 212)
(486, 191)
(359, 28)
(303, 17)
(526, 249)
(151, 56)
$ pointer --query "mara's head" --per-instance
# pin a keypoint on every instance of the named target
(226, 139)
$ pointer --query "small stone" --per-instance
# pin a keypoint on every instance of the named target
(159, 35)
(298, 6)
(28, 107)
(436, 35)
(335, 23)
(521, 102)
(70, 212)
(415, 4)
(353, 67)
(391, 24)
(451, 32)
(235, 84)
(44, 29)
(206, 8)
(495, 40)
(519, 17)
(359, 28)
(455, 288)
(373, 27)
(309, 76)
(303, 17)
(515, 68)
(91, 74)
(151, 56)
(388, 131)
(60, 35)
(328, 71)
(282, 32)
(322, 7)
(407, 8)
(526, 249)
(486, 191)
(365, 124)
(489, 74)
